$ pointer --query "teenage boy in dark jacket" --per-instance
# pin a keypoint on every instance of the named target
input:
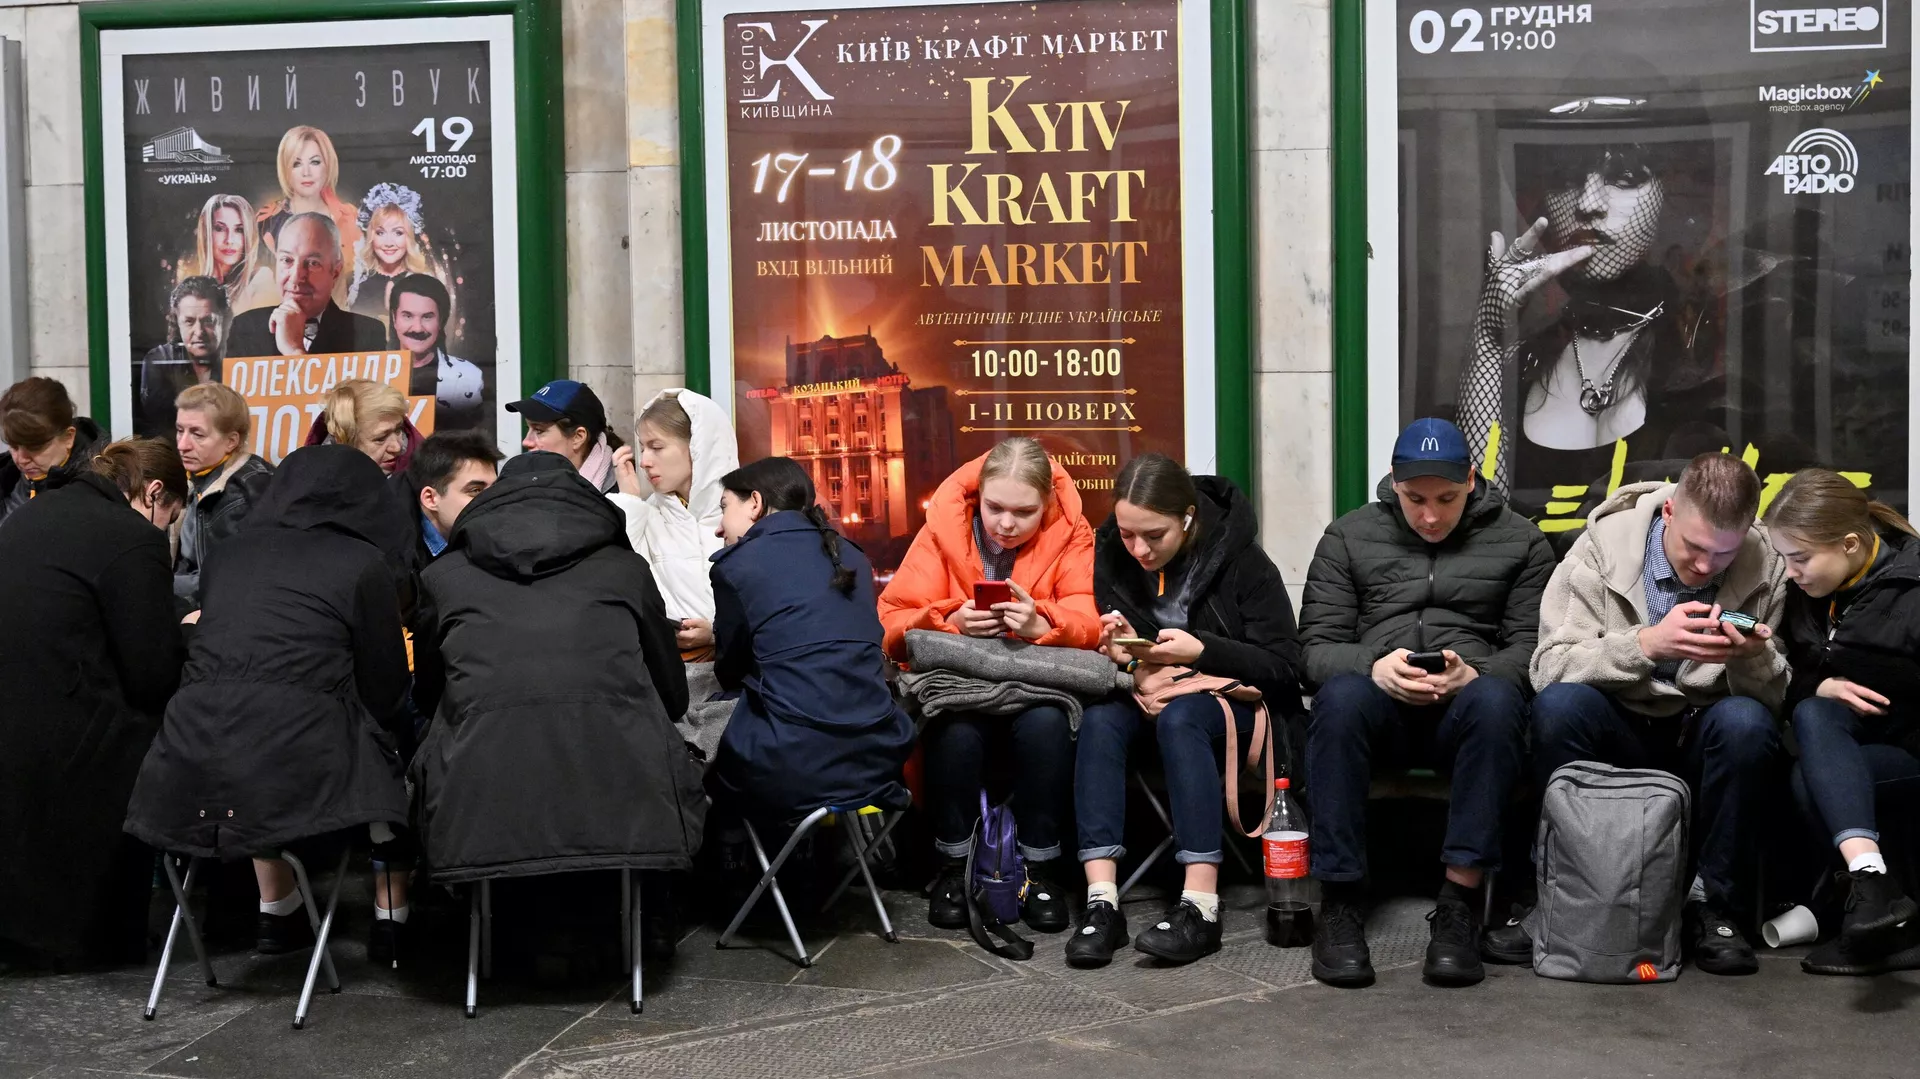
(1438, 572)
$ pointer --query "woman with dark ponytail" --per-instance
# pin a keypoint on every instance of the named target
(796, 632)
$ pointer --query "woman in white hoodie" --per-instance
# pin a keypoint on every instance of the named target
(669, 488)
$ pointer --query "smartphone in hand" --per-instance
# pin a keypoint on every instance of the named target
(988, 593)
(1430, 662)
(1742, 622)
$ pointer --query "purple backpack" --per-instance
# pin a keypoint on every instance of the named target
(996, 883)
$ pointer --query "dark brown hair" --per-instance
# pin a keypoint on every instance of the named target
(1823, 508)
(784, 485)
(1156, 482)
(34, 412)
(1721, 488)
(132, 463)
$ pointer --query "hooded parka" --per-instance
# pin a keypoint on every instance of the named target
(287, 719)
(90, 650)
(677, 539)
(552, 750)
(1873, 638)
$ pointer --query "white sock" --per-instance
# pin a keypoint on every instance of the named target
(281, 907)
(1698, 892)
(1107, 892)
(1208, 903)
(397, 915)
(1871, 862)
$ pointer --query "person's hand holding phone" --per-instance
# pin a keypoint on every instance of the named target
(971, 621)
(1741, 645)
(1689, 631)
(693, 633)
(1401, 680)
(1113, 624)
(1022, 616)
(1863, 701)
(1453, 677)
(1175, 648)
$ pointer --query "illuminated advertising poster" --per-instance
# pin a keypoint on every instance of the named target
(937, 225)
(1609, 236)
(291, 206)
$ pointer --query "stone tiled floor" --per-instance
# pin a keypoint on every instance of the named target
(935, 1005)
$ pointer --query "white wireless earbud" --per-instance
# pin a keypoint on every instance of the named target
(1186, 523)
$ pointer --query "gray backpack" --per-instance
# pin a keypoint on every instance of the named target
(1612, 858)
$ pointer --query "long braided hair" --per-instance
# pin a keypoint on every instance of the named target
(783, 485)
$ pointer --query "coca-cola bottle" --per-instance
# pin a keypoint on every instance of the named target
(1289, 889)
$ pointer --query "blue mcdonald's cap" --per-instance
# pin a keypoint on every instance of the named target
(564, 397)
(1431, 447)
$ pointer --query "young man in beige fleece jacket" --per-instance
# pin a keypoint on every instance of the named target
(1635, 668)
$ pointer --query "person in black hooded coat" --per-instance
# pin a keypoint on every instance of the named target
(290, 715)
(90, 650)
(552, 749)
(1179, 563)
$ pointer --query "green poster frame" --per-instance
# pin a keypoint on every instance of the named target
(1352, 486)
(539, 149)
(1233, 226)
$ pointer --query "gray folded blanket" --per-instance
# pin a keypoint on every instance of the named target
(1001, 676)
(705, 720)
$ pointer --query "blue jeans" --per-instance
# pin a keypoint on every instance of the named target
(1040, 743)
(1727, 755)
(1192, 732)
(1476, 738)
(1845, 765)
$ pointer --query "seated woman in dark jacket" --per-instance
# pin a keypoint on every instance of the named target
(1179, 563)
(89, 653)
(289, 715)
(795, 628)
(1852, 629)
(211, 424)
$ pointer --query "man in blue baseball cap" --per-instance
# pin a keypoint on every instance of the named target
(1420, 617)
(567, 418)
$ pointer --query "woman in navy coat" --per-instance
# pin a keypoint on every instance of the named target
(796, 632)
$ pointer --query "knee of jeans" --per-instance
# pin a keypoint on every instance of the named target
(1340, 708)
(1560, 710)
(1046, 725)
(1494, 704)
(1815, 712)
(1195, 712)
(1106, 720)
(1741, 728)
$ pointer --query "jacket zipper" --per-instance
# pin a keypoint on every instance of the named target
(1420, 620)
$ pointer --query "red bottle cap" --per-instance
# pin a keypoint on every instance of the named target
(1280, 784)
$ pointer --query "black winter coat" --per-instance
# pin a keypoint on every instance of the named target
(214, 511)
(1375, 586)
(1237, 604)
(1876, 641)
(287, 721)
(17, 490)
(90, 650)
(551, 749)
(817, 724)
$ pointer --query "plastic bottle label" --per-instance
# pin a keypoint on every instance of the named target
(1286, 854)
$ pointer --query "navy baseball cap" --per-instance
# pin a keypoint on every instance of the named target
(1431, 447)
(564, 397)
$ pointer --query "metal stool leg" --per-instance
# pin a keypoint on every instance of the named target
(630, 885)
(873, 848)
(626, 916)
(182, 915)
(321, 957)
(769, 879)
(866, 874)
(1158, 852)
(486, 928)
(473, 951)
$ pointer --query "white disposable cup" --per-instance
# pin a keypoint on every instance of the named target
(1797, 926)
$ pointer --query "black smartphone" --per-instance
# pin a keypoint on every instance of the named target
(1430, 662)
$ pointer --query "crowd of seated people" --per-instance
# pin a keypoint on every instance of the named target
(479, 671)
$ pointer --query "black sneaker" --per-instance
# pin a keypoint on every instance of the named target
(1044, 909)
(1718, 946)
(282, 933)
(1340, 956)
(1183, 936)
(385, 941)
(1453, 952)
(947, 906)
(1103, 932)
(1509, 942)
(1875, 905)
(1881, 953)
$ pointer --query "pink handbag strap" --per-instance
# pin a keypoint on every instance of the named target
(1261, 744)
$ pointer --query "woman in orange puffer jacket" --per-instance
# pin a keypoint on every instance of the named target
(1012, 516)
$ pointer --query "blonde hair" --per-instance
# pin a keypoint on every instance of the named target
(366, 263)
(1022, 459)
(359, 402)
(667, 416)
(290, 149)
(222, 404)
(1822, 508)
(235, 280)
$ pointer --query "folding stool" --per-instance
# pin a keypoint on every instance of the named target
(1158, 852)
(322, 929)
(859, 841)
(480, 937)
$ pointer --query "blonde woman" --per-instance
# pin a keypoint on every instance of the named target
(393, 243)
(309, 171)
(226, 247)
(225, 482)
(372, 418)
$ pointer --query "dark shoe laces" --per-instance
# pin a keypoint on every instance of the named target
(1343, 925)
(1452, 923)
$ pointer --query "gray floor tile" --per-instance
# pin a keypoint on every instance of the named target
(868, 962)
(711, 1003)
(94, 1020)
(353, 1037)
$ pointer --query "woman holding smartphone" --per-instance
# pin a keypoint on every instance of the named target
(1179, 571)
(1852, 627)
(1011, 516)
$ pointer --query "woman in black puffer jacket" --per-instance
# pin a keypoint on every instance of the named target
(47, 444)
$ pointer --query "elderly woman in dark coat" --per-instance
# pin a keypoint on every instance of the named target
(289, 716)
(89, 653)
